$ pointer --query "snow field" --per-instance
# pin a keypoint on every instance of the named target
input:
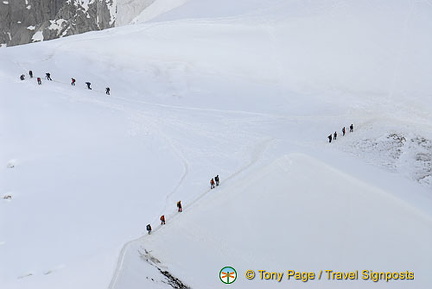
(247, 90)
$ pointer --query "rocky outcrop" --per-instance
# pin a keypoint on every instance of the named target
(26, 21)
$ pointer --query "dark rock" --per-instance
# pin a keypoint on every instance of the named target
(25, 21)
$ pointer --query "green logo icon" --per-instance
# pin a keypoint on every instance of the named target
(228, 275)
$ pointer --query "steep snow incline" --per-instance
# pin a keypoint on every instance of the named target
(296, 213)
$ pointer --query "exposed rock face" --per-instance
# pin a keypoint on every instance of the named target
(25, 21)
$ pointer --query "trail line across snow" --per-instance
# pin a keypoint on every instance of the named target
(255, 156)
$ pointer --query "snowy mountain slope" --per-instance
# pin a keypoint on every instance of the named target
(72, 187)
(373, 49)
(277, 219)
(250, 96)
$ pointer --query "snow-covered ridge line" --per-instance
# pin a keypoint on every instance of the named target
(325, 205)
(131, 245)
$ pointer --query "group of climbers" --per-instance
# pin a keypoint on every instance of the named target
(334, 135)
(213, 183)
(162, 218)
(73, 81)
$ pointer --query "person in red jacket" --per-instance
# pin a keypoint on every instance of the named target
(212, 184)
(162, 219)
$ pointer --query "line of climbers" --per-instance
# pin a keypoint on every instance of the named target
(214, 181)
(334, 135)
(73, 81)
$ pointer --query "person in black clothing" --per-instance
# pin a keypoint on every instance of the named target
(88, 85)
(343, 131)
(149, 229)
(73, 81)
(330, 138)
(107, 90)
(217, 180)
(179, 206)
(48, 76)
(31, 74)
(335, 135)
(351, 128)
(22, 77)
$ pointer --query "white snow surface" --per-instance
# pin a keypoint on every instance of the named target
(248, 90)
(127, 10)
(38, 36)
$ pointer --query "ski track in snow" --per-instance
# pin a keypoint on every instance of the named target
(140, 116)
(185, 164)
